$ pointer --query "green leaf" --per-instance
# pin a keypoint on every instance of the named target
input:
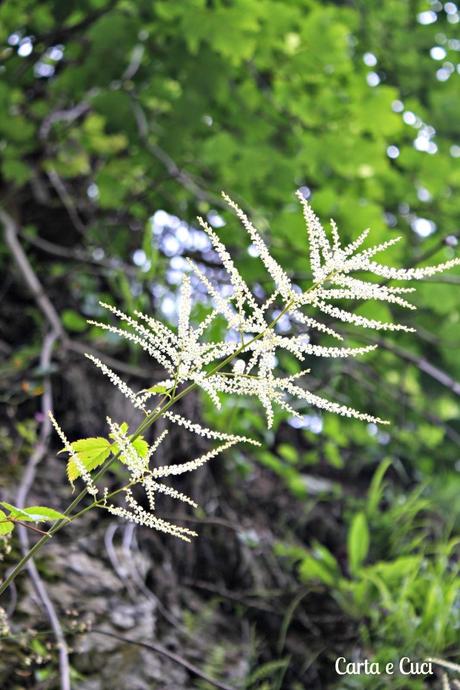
(5, 527)
(33, 513)
(73, 321)
(288, 453)
(377, 486)
(16, 512)
(267, 670)
(44, 514)
(314, 569)
(16, 171)
(91, 452)
(141, 446)
(358, 542)
(326, 557)
(159, 389)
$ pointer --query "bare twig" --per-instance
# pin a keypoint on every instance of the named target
(128, 572)
(68, 116)
(355, 370)
(154, 647)
(135, 62)
(171, 166)
(78, 255)
(27, 525)
(434, 372)
(129, 369)
(5, 348)
(33, 283)
(67, 200)
(56, 332)
(420, 362)
(232, 596)
(21, 498)
(47, 308)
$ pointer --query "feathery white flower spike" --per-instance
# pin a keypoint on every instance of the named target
(152, 349)
(184, 311)
(137, 465)
(142, 475)
(278, 274)
(411, 273)
(191, 465)
(135, 513)
(168, 491)
(246, 360)
(196, 428)
(317, 239)
(187, 359)
(136, 399)
(242, 291)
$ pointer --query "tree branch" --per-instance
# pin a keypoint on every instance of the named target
(154, 647)
(27, 481)
(47, 308)
(33, 283)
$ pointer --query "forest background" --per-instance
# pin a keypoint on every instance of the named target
(119, 122)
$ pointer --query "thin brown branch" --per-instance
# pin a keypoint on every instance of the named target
(47, 308)
(154, 647)
(68, 116)
(29, 526)
(171, 166)
(129, 369)
(420, 362)
(77, 255)
(30, 278)
(67, 201)
(27, 481)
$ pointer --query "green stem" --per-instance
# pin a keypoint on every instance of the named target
(145, 424)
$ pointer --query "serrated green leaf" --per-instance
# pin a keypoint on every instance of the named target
(33, 513)
(5, 527)
(141, 446)
(15, 512)
(91, 452)
(44, 514)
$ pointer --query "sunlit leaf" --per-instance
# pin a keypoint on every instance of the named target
(92, 452)
(358, 542)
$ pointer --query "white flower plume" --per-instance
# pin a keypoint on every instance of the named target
(190, 358)
(246, 361)
(143, 474)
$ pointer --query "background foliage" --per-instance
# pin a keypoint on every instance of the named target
(119, 121)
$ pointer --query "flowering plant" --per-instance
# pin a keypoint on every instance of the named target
(244, 363)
